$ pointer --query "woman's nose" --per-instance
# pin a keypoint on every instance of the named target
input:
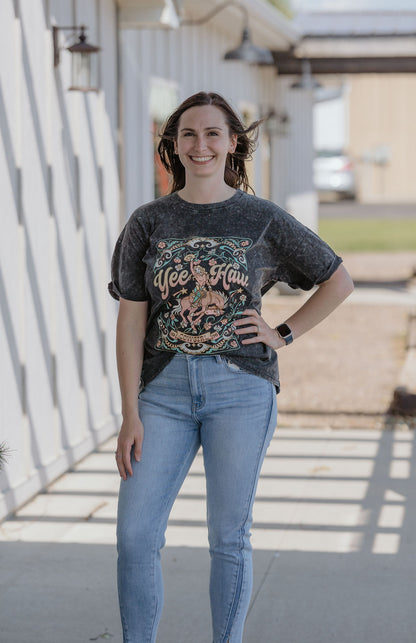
(200, 142)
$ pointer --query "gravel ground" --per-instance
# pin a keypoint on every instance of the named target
(343, 373)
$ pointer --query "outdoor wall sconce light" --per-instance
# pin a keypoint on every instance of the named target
(306, 81)
(84, 59)
(247, 52)
(276, 123)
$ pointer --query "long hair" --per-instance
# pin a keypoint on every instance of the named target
(235, 173)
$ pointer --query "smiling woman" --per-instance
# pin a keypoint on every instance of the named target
(190, 270)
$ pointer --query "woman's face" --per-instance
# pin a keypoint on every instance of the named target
(203, 142)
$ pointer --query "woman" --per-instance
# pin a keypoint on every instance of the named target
(190, 269)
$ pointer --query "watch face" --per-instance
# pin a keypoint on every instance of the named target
(284, 330)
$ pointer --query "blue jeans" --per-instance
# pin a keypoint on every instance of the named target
(196, 401)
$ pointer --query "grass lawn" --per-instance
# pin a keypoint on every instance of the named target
(369, 234)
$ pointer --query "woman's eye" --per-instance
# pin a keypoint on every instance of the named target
(212, 134)
(188, 134)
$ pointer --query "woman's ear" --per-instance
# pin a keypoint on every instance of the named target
(233, 143)
(175, 147)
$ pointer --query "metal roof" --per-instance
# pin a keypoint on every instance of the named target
(352, 24)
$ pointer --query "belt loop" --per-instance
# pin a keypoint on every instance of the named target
(218, 359)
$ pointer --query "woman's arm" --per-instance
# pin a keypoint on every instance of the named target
(131, 331)
(325, 299)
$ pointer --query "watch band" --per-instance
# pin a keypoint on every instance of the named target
(285, 333)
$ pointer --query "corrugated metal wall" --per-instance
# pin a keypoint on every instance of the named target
(60, 215)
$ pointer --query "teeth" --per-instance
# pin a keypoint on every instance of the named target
(201, 158)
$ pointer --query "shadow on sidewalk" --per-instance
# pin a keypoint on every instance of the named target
(334, 536)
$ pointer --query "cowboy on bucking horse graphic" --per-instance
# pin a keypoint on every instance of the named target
(202, 300)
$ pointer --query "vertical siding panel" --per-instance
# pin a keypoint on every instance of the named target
(65, 206)
(131, 93)
(12, 394)
(90, 333)
(35, 210)
(144, 167)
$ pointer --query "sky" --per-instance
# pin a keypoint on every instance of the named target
(354, 5)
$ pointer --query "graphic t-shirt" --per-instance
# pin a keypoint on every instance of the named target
(201, 265)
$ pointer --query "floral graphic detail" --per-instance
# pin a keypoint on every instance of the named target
(203, 284)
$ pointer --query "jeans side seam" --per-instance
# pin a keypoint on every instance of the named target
(234, 607)
(158, 532)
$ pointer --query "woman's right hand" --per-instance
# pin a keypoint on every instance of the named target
(131, 434)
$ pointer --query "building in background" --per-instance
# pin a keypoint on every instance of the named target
(366, 63)
(382, 136)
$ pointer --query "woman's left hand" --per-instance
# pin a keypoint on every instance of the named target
(254, 323)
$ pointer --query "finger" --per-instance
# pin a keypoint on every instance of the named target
(122, 470)
(248, 329)
(138, 452)
(127, 461)
(246, 320)
(252, 340)
(120, 466)
(251, 311)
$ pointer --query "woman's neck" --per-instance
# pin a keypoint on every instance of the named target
(206, 193)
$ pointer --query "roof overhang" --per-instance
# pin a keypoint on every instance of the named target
(352, 43)
(148, 14)
(269, 27)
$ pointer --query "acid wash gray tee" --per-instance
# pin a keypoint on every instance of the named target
(201, 265)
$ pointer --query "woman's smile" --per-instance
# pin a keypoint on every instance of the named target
(201, 159)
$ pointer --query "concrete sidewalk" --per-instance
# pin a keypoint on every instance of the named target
(334, 539)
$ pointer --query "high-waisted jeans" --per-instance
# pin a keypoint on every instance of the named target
(195, 401)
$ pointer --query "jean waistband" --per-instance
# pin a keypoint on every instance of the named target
(218, 358)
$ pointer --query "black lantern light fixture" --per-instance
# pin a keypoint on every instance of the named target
(246, 52)
(84, 59)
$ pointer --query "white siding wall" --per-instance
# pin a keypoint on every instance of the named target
(60, 216)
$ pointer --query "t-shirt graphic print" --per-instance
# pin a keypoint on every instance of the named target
(203, 284)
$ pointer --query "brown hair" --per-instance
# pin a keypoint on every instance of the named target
(235, 174)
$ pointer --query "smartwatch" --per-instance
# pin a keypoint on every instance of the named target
(285, 333)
